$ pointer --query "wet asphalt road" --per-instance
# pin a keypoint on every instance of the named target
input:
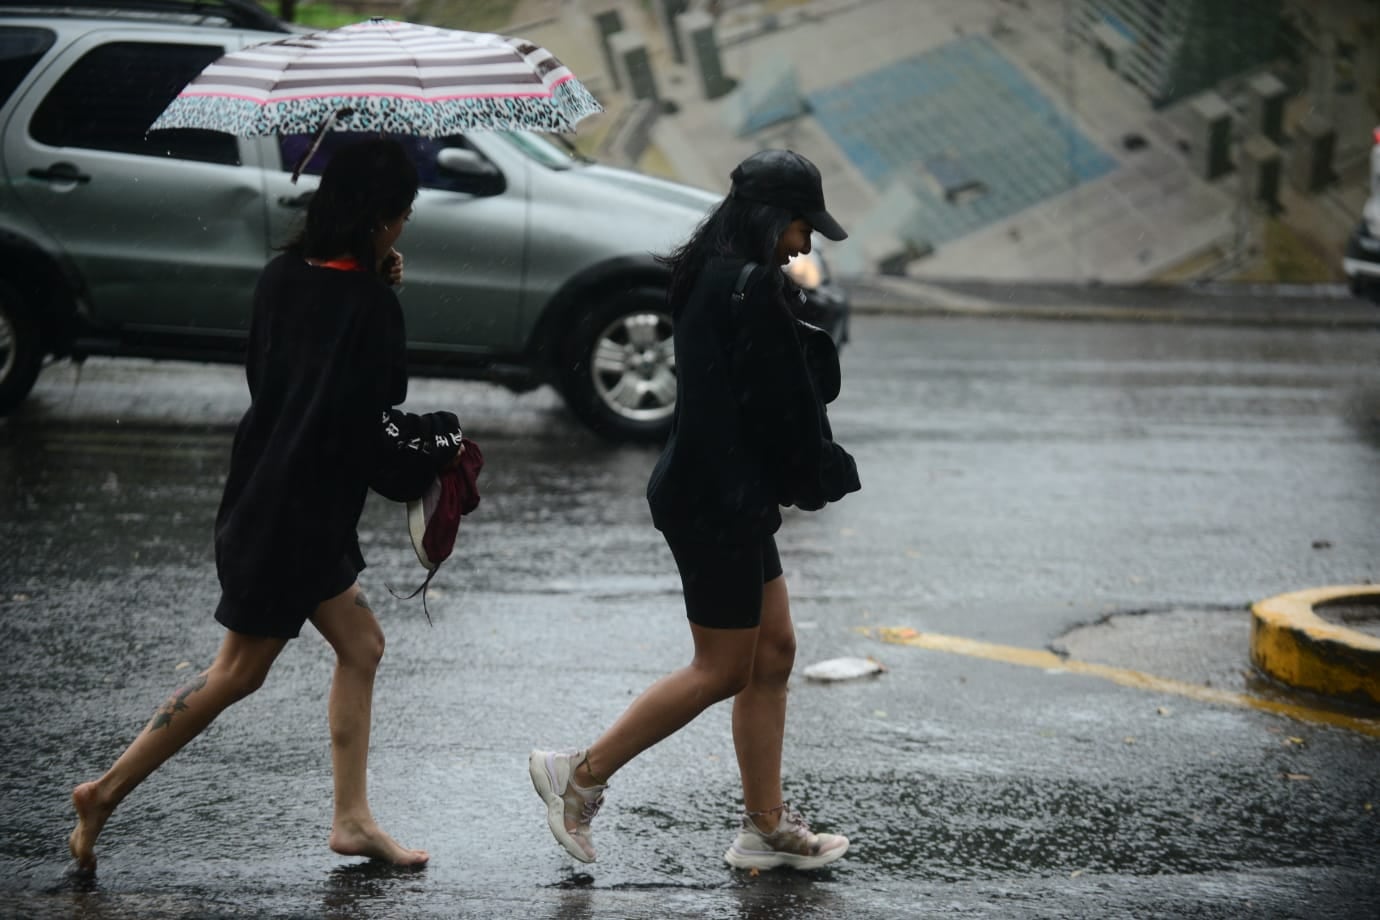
(1020, 479)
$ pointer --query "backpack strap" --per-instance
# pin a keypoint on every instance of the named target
(740, 286)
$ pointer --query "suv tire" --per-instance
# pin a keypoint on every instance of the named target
(618, 369)
(21, 348)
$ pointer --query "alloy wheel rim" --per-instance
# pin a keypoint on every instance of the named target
(633, 367)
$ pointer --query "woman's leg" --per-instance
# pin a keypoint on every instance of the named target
(759, 709)
(572, 783)
(773, 835)
(353, 631)
(720, 668)
(239, 669)
(723, 585)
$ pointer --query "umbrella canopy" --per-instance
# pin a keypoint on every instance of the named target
(392, 77)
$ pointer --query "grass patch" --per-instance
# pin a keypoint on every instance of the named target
(591, 133)
(1191, 269)
(656, 163)
(1291, 257)
(326, 16)
(472, 15)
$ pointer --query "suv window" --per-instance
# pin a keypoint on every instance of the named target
(20, 49)
(108, 99)
(541, 150)
(421, 150)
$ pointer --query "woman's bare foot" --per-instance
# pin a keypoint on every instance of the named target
(91, 817)
(352, 838)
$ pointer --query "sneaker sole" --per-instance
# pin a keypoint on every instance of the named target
(416, 528)
(771, 859)
(555, 806)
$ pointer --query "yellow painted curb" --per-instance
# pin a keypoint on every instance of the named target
(1137, 680)
(1291, 643)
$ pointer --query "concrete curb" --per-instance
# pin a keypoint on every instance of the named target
(1291, 643)
(1320, 306)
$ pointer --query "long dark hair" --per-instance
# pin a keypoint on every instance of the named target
(364, 185)
(736, 229)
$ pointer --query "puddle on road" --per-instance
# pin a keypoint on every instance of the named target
(1208, 647)
(1359, 613)
(1179, 821)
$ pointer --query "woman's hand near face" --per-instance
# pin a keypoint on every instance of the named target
(385, 235)
(393, 267)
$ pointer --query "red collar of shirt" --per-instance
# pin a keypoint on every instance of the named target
(346, 264)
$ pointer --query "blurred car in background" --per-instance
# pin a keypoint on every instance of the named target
(526, 265)
(1362, 260)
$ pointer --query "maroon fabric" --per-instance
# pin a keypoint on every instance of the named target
(459, 496)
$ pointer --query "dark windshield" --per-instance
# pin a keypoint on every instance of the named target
(20, 49)
(542, 150)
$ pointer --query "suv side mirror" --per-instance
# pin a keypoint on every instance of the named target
(470, 172)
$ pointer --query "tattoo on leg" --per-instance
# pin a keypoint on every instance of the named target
(361, 600)
(176, 703)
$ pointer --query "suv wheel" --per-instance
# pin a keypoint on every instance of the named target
(21, 349)
(619, 368)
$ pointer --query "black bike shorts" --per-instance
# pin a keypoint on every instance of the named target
(723, 581)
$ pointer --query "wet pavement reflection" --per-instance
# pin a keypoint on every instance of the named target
(1022, 481)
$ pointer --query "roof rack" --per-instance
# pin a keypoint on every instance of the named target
(244, 14)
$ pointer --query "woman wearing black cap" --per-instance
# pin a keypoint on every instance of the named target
(749, 435)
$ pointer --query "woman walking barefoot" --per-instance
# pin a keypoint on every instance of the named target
(326, 366)
(750, 434)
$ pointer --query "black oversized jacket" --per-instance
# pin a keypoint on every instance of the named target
(326, 366)
(750, 432)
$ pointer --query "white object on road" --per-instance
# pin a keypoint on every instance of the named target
(843, 669)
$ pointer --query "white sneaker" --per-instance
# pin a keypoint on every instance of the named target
(569, 808)
(791, 844)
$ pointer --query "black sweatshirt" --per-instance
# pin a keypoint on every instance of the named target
(326, 365)
(750, 432)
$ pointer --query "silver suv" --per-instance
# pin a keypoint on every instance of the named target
(526, 265)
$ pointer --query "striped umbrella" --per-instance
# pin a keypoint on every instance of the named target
(387, 76)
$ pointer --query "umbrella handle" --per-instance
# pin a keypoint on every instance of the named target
(316, 140)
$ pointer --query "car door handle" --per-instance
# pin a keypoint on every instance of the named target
(60, 172)
(297, 201)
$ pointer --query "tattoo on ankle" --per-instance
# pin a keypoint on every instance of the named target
(176, 703)
(361, 600)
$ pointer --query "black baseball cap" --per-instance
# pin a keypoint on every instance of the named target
(786, 179)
